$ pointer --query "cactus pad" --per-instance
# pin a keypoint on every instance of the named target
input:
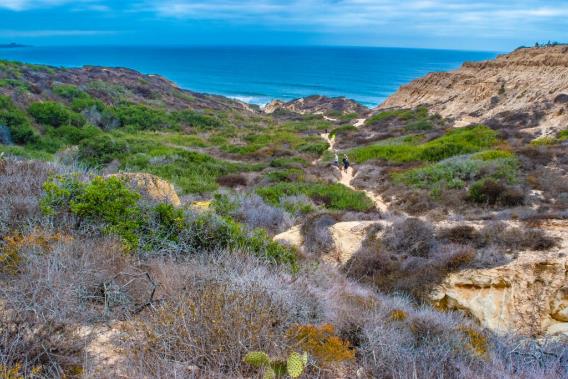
(295, 365)
(257, 359)
(269, 374)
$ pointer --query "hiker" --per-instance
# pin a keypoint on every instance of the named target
(345, 162)
(336, 160)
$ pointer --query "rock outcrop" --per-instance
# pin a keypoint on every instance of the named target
(526, 89)
(528, 296)
(318, 105)
(152, 187)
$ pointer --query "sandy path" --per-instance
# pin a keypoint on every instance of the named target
(347, 176)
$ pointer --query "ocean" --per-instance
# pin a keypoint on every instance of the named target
(258, 75)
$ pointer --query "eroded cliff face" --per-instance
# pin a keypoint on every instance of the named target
(528, 295)
(527, 89)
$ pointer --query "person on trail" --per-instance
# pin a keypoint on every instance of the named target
(345, 162)
(336, 160)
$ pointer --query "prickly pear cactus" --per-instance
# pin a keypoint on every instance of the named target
(257, 359)
(295, 365)
(269, 373)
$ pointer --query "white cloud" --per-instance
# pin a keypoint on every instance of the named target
(362, 13)
(23, 5)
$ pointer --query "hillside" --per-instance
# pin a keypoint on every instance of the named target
(527, 89)
(150, 231)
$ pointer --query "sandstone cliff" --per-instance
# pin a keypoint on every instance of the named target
(318, 105)
(527, 89)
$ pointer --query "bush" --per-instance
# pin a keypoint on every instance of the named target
(457, 172)
(411, 236)
(232, 180)
(54, 114)
(142, 117)
(492, 192)
(69, 92)
(322, 343)
(74, 135)
(316, 233)
(101, 149)
(106, 201)
(21, 131)
(333, 196)
(198, 120)
(455, 142)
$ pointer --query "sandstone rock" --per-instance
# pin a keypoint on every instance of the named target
(525, 89)
(347, 237)
(318, 105)
(527, 296)
(153, 187)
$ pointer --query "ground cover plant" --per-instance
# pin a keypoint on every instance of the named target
(455, 142)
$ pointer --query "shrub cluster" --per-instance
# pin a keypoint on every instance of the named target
(455, 142)
(110, 204)
(17, 122)
(332, 196)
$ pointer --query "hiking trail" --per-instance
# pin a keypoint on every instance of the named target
(347, 176)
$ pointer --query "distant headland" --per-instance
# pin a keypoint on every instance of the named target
(11, 45)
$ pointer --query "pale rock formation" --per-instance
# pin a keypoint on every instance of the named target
(153, 187)
(317, 105)
(528, 296)
(527, 89)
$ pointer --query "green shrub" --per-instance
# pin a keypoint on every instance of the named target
(342, 130)
(103, 201)
(198, 120)
(289, 162)
(101, 149)
(54, 114)
(456, 172)
(418, 114)
(490, 155)
(455, 142)
(333, 196)
(17, 121)
(142, 117)
(317, 148)
(491, 192)
(288, 175)
(74, 135)
(419, 125)
(69, 92)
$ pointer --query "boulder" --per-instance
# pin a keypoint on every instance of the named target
(152, 187)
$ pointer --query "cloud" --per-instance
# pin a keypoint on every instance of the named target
(362, 13)
(23, 5)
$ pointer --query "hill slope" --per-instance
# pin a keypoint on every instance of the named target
(527, 89)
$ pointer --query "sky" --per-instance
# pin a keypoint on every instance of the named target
(497, 25)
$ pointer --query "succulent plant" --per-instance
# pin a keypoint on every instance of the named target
(293, 366)
(257, 359)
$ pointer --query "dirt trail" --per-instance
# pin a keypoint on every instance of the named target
(347, 176)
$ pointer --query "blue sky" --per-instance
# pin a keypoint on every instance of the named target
(497, 25)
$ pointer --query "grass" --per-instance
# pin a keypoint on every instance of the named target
(407, 149)
(332, 196)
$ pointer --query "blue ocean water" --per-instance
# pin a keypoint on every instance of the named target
(259, 74)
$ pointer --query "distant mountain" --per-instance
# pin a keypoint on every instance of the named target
(11, 46)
